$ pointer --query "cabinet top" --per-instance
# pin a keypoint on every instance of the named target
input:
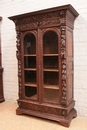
(68, 7)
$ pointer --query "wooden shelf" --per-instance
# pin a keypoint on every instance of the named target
(30, 84)
(50, 54)
(29, 54)
(34, 97)
(51, 70)
(51, 86)
(32, 69)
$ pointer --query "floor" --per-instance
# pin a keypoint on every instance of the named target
(10, 121)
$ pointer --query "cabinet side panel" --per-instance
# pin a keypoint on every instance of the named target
(69, 52)
(69, 43)
(70, 87)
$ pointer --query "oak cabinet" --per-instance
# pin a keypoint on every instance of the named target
(45, 63)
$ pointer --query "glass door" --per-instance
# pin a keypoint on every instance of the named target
(50, 67)
(30, 82)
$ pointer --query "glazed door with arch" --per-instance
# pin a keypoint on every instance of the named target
(41, 66)
(50, 67)
(30, 65)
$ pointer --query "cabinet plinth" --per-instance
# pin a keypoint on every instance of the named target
(45, 63)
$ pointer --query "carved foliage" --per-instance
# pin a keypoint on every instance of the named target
(40, 23)
(63, 63)
(39, 17)
(63, 112)
(41, 108)
(49, 18)
(18, 55)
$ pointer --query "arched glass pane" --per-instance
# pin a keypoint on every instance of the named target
(50, 43)
(29, 44)
(50, 67)
(30, 66)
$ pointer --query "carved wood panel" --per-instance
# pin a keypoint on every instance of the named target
(41, 20)
(18, 55)
(41, 108)
(63, 63)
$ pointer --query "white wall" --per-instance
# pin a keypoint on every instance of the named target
(8, 41)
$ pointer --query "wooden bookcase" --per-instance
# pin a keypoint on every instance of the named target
(45, 63)
(1, 75)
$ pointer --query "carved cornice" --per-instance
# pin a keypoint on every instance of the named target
(40, 17)
(46, 17)
(39, 20)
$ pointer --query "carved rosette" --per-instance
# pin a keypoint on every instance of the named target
(63, 64)
(18, 55)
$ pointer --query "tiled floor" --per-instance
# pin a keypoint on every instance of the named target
(10, 121)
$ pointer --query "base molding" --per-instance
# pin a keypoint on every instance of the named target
(65, 121)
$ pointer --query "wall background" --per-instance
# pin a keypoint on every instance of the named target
(8, 43)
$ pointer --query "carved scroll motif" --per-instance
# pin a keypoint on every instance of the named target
(63, 63)
(39, 17)
(40, 23)
(45, 109)
(18, 55)
(44, 19)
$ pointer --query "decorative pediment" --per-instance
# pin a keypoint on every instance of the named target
(49, 17)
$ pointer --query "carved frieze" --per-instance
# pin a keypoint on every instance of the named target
(39, 23)
(39, 17)
(29, 25)
(43, 19)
